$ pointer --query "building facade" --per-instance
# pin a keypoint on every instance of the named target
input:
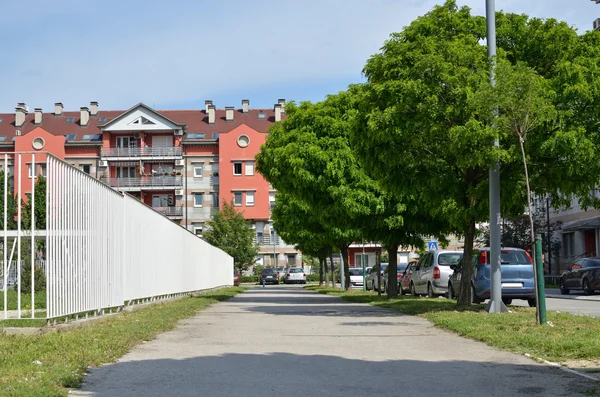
(182, 163)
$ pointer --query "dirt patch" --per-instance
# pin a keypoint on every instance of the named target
(587, 366)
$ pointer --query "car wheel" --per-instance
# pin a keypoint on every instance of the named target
(563, 287)
(506, 301)
(413, 292)
(476, 299)
(430, 293)
(450, 294)
(532, 302)
(587, 289)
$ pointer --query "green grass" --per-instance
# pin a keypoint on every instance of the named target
(571, 337)
(40, 300)
(66, 355)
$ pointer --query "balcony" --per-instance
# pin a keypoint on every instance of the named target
(171, 212)
(145, 183)
(141, 153)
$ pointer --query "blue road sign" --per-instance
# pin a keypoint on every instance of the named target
(432, 246)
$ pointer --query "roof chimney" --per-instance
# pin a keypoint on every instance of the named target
(278, 112)
(207, 103)
(245, 105)
(23, 106)
(58, 109)
(38, 116)
(19, 116)
(211, 114)
(84, 116)
(229, 113)
(282, 103)
(93, 108)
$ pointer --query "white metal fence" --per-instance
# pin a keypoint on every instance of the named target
(104, 248)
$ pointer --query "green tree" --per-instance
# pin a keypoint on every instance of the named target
(40, 207)
(231, 232)
(10, 203)
(423, 129)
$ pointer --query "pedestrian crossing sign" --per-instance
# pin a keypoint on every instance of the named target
(432, 246)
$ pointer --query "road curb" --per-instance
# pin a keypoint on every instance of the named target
(573, 298)
(563, 368)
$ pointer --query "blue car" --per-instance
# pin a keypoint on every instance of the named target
(517, 276)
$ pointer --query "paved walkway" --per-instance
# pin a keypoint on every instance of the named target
(285, 341)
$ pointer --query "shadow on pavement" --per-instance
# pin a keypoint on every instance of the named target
(285, 374)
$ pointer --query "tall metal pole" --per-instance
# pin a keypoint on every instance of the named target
(362, 262)
(495, 305)
(548, 239)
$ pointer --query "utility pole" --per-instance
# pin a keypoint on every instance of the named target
(495, 305)
(548, 247)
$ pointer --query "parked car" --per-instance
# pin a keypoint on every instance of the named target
(516, 271)
(269, 275)
(583, 275)
(371, 278)
(295, 275)
(281, 270)
(356, 276)
(432, 272)
(236, 278)
(404, 287)
(400, 268)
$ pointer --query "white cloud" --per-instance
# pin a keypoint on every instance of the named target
(156, 52)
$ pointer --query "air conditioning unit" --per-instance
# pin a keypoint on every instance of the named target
(136, 135)
(102, 163)
(597, 24)
(179, 192)
(179, 163)
(178, 132)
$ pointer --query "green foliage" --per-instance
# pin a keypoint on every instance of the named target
(249, 279)
(313, 278)
(258, 269)
(40, 207)
(11, 205)
(231, 232)
(39, 279)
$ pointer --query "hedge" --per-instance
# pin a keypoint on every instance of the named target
(249, 279)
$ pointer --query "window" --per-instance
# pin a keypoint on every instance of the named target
(43, 169)
(250, 199)
(125, 172)
(262, 116)
(85, 168)
(568, 244)
(237, 198)
(197, 171)
(96, 137)
(198, 230)
(249, 167)
(70, 119)
(2, 138)
(86, 137)
(102, 119)
(215, 198)
(71, 137)
(243, 141)
(35, 169)
(198, 199)
(215, 135)
(237, 168)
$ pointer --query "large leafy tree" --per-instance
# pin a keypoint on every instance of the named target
(308, 156)
(231, 232)
(422, 128)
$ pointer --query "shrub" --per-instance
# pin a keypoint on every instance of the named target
(249, 279)
(40, 280)
(313, 278)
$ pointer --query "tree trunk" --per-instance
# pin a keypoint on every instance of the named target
(465, 298)
(392, 284)
(332, 268)
(378, 263)
(344, 250)
(321, 266)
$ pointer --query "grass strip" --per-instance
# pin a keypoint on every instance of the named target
(571, 337)
(13, 300)
(49, 364)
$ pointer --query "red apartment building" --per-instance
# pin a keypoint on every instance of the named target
(183, 163)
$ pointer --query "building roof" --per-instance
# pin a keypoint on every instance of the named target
(195, 120)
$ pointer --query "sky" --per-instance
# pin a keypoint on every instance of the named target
(177, 54)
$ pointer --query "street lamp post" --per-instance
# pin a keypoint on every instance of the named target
(495, 305)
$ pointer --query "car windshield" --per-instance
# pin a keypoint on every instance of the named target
(296, 270)
(449, 258)
(591, 263)
(384, 266)
(515, 257)
(269, 271)
(355, 272)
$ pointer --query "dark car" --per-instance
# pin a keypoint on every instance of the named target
(269, 275)
(236, 278)
(516, 271)
(404, 286)
(583, 275)
(401, 267)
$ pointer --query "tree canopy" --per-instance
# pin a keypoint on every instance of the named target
(231, 232)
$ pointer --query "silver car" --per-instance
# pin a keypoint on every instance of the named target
(431, 275)
(295, 275)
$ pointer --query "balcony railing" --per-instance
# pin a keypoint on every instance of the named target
(175, 212)
(266, 240)
(151, 182)
(156, 151)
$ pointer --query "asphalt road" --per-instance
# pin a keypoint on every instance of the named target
(285, 341)
(576, 303)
